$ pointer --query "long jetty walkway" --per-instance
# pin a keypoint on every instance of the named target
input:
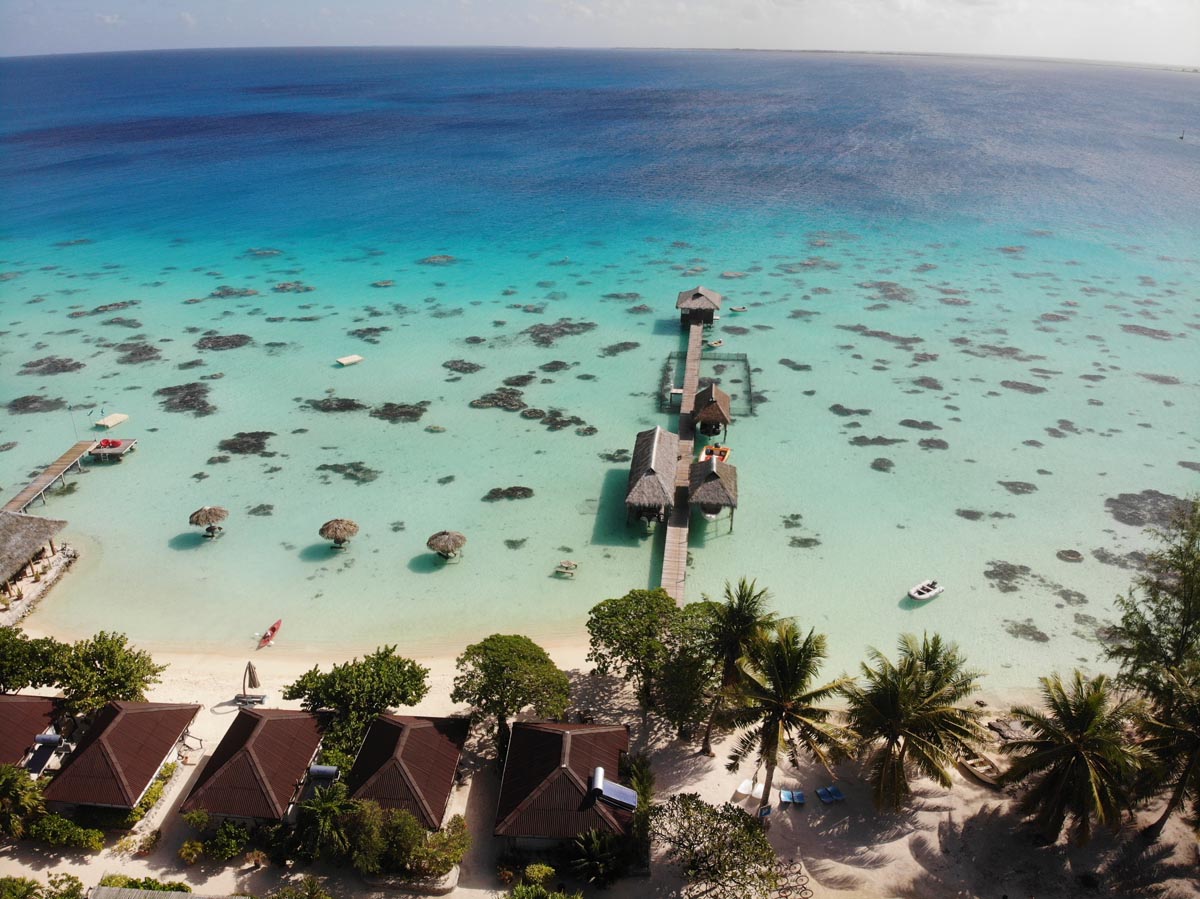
(57, 470)
(674, 567)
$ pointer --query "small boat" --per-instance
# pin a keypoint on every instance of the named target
(981, 767)
(268, 636)
(737, 308)
(926, 590)
(717, 451)
(716, 343)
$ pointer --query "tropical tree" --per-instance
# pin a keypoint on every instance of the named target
(1160, 616)
(321, 825)
(505, 673)
(908, 718)
(308, 888)
(685, 684)
(735, 623)
(777, 701)
(629, 636)
(104, 668)
(357, 691)
(720, 850)
(20, 800)
(1078, 758)
(25, 662)
(1173, 731)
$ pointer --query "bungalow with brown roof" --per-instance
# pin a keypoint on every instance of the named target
(120, 755)
(711, 410)
(545, 791)
(651, 490)
(698, 305)
(22, 720)
(258, 769)
(409, 762)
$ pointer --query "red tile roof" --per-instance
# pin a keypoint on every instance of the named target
(257, 767)
(544, 790)
(119, 755)
(21, 719)
(408, 762)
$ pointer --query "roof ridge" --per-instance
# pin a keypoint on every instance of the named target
(256, 766)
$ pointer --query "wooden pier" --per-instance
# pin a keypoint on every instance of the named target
(674, 567)
(57, 471)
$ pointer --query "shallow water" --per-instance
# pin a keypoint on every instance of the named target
(932, 251)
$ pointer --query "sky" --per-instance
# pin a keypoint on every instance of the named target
(1165, 32)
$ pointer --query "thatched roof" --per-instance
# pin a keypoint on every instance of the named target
(208, 515)
(699, 298)
(20, 537)
(713, 483)
(652, 471)
(446, 543)
(712, 406)
(339, 530)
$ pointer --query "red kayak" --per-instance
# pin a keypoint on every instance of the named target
(269, 635)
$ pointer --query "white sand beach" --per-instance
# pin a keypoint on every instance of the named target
(964, 842)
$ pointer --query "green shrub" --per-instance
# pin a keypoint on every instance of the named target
(144, 883)
(441, 850)
(152, 795)
(596, 857)
(55, 830)
(198, 819)
(538, 873)
(229, 841)
(191, 852)
(19, 888)
(537, 891)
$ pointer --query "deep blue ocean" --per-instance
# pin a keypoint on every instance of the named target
(971, 330)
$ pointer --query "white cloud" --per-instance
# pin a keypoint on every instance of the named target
(109, 19)
(188, 19)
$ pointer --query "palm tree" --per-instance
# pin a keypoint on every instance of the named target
(778, 704)
(1174, 741)
(908, 718)
(735, 623)
(20, 800)
(322, 822)
(1078, 755)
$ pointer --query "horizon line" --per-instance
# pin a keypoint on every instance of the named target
(1181, 67)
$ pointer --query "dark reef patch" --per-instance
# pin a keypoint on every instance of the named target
(26, 405)
(191, 397)
(1026, 630)
(1070, 555)
(933, 443)
(614, 349)
(136, 352)
(1150, 507)
(1023, 387)
(803, 542)
(795, 366)
(223, 341)
(262, 510)
(247, 443)
(1006, 576)
(358, 472)
(617, 456)
(499, 493)
(462, 366)
(1018, 488)
(882, 464)
(400, 412)
(335, 404)
(368, 335)
(839, 409)
(927, 383)
(506, 398)
(544, 335)
(50, 365)
(862, 440)
(919, 425)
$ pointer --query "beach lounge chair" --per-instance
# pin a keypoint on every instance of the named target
(837, 794)
(825, 796)
(757, 792)
(744, 788)
(797, 797)
(785, 797)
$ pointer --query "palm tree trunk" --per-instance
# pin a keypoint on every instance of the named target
(769, 754)
(1154, 831)
(706, 745)
(503, 735)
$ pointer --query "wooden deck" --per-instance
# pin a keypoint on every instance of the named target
(674, 568)
(55, 472)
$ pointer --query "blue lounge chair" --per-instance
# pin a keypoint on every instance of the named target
(785, 796)
(838, 795)
(797, 797)
(825, 796)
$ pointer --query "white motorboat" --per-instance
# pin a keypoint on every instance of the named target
(926, 590)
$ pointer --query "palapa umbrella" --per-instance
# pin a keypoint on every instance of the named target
(339, 530)
(250, 678)
(209, 518)
(446, 543)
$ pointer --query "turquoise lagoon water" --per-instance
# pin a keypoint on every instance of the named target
(965, 253)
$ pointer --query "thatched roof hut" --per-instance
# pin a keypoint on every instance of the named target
(206, 516)
(651, 491)
(21, 537)
(698, 305)
(339, 530)
(711, 411)
(712, 487)
(446, 543)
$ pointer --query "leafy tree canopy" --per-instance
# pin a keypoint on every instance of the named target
(720, 850)
(20, 801)
(27, 663)
(104, 668)
(505, 673)
(629, 636)
(357, 691)
(1160, 616)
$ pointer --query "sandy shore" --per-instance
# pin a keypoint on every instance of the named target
(963, 842)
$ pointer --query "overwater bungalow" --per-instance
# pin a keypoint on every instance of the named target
(24, 541)
(698, 305)
(259, 767)
(120, 755)
(651, 491)
(546, 793)
(410, 762)
(711, 411)
(713, 487)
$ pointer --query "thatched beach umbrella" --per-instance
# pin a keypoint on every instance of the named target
(209, 518)
(446, 543)
(339, 530)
